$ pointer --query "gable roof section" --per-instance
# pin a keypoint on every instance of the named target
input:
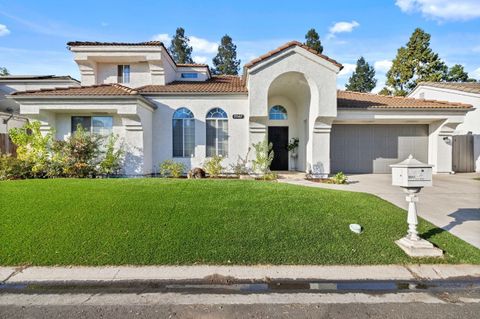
(286, 46)
(94, 90)
(37, 77)
(469, 87)
(362, 101)
(223, 84)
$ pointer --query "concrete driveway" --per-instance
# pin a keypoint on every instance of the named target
(453, 203)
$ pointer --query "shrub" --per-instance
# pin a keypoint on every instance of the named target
(169, 168)
(13, 168)
(263, 157)
(33, 148)
(213, 166)
(112, 161)
(240, 167)
(339, 178)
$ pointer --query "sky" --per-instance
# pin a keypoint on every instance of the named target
(33, 34)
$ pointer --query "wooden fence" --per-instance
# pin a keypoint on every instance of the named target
(6, 145)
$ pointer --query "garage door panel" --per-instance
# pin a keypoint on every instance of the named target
(373, 148)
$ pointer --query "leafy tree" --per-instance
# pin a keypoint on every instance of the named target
(363, 78)
(385, 91)
(4, 71)
(312, 40)
(457, 74)
(180, 49)
(226, 62)
(415, 63)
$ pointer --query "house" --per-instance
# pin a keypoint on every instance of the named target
(163, 110)
(469, 130)
(9, 109)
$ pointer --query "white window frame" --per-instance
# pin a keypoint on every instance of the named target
(216, 121)
(183, 134)
(121, 78)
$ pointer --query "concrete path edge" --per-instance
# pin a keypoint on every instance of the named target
(177, 273)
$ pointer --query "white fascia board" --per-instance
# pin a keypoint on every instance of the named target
(399, 116)
(451, 91)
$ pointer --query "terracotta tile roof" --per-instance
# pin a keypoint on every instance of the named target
(94, 90)
(470, 87)
(356, 100)
(216, 84)
(286, 46)
(93, 43)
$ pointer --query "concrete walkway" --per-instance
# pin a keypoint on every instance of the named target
(222, 274)
(453, 203)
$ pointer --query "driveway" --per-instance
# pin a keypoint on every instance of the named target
(453, 203)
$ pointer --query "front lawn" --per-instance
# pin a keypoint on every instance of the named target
(160, 221)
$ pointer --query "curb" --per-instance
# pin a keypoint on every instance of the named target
(253, 273)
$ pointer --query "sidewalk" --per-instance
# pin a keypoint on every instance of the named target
(11, 275)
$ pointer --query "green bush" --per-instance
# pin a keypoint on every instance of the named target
(339, 178)
(169, 168)
(213, 166)
(112, 161)
(13, 168)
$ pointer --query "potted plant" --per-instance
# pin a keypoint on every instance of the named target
(292, 148)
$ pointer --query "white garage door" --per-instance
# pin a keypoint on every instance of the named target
(372, 148)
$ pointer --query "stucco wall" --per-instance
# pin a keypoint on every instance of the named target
(199, 105)
(139, 74)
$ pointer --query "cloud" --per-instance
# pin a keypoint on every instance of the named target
(382, 66)
(203, 45)
(476, 73)
(4, 30)
(442, 9)
(162, 37)
(341, 27)
(200, 59)
(348, 69)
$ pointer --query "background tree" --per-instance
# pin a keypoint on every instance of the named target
(415, 63)
(312, 40)
(458, 74)
(4, 71)
(385, 91)
(226, 62)
(363, 78)
(179, 48)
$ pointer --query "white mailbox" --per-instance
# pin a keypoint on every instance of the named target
(411, 173)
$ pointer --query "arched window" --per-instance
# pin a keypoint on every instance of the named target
(183, 131)
(217, 132)
(277, 112)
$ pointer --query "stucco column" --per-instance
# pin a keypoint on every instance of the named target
(257, 132)
(320, 160)
(440, 145)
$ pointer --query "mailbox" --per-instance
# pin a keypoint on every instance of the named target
(411, 173)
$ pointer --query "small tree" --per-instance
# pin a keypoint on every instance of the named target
(263, 157)
(226, 62)
(112, 158)
(312, 40)
(458, 74)
(180, 49)
(363, 78)
(4, 71)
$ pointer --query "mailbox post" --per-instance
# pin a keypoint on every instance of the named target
(412, 175)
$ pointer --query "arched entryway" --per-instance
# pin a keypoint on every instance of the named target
(288, 115)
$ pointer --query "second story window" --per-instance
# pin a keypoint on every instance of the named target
(123, 74)
(189, 75)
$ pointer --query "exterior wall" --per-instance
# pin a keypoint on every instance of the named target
(472, 119)
(199, 105)
(139, 74)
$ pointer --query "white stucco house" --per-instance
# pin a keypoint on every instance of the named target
(468, 93)
(163, 110)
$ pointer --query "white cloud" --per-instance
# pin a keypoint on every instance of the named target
(162, 37)
(476, 73)
(203, 45)
(348, 69)
(442, 9)
(341, 27)
(4, 30)
(200, 59)
(382, 65)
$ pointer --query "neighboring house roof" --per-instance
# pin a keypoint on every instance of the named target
(289, 45)
(94, 90)
(356, 100)
(37, 77)
(216, 84)
(470, 87)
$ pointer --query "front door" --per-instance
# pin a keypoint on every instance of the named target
(278, 136)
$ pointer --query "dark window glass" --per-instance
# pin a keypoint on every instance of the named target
(189, 75)
(83, 121)
(123, 73)
(183, 132)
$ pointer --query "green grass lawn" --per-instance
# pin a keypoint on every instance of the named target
(160, 221)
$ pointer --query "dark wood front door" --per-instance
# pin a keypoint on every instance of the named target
(278, 136)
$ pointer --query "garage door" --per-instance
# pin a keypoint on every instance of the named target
(372, 148)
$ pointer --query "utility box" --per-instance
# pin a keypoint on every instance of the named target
(411, 173)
